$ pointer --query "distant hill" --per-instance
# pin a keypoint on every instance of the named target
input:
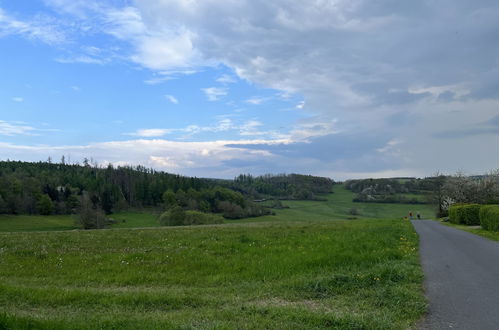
(57, 188)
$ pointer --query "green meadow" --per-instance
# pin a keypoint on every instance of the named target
(306, 267)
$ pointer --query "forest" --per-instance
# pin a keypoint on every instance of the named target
(394, 190)
(60, 188)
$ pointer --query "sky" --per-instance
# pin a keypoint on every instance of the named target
(215, 88)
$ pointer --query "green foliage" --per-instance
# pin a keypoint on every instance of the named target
(489, 217)
(291, 186)
(200, 218)
(465, 214)
(22, 184)
(169, 199)
(45, 205)
(394, 190)
(176, 216)
(234, 211)
(89, 216)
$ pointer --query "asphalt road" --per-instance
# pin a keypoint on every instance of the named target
(461, 278)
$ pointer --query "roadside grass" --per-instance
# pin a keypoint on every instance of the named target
(493, 235)
(362, 274)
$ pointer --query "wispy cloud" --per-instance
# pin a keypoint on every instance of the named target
(17, 99)
(171, 98)
(226, 79)
(256, 100)
(82, 59)
(151, 132)
(244, 128)
(37, 28)
(12, 129)
(214, 93)
(300, 105)
(162, 76)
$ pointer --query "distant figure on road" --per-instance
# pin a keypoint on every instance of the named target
(418, 215)
(410, 215)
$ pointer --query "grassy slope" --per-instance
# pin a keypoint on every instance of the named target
(298, 270)
(343, 274)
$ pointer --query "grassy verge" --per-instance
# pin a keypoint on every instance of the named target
(493, 235)
(314, 274)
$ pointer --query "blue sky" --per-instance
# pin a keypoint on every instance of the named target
(216, 88)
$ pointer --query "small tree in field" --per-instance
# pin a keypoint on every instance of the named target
(45, 205)
(174, 217)
(90, 217)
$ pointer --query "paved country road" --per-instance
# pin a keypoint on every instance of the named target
(461, 277)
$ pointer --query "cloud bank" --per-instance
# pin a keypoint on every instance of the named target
(388, 87)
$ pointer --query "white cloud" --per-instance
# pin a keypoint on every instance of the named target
(162, 52)
(17, 99)
(207, 159)
(151, 132)
(402, 73)
(162, 76)
(38, 28)
(12, 129)
(172, 99)
(256, 100)
(82, 59)
(226, 79)
(214, 93)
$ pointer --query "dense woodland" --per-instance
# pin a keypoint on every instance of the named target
(292, 186)
(60, 188)
(393, 190)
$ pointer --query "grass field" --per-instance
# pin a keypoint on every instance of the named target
(36, 223)
(343, 274)
(337, 207)
(306, 267)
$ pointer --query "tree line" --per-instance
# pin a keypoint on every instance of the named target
(60, 188)
(282, 186)
(392, 190)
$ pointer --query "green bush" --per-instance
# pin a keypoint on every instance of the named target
(465, 214)
(178, 217)
(489, 217)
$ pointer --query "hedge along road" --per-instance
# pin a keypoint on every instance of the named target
(461, 277)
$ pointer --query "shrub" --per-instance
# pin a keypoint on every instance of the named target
(174, 217)
(489, 217)
(178, 217)
(231, 210)
(91, 218)
(200, 218)
(45, 205)
(465, 214)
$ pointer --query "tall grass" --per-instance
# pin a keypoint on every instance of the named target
(348, 275)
